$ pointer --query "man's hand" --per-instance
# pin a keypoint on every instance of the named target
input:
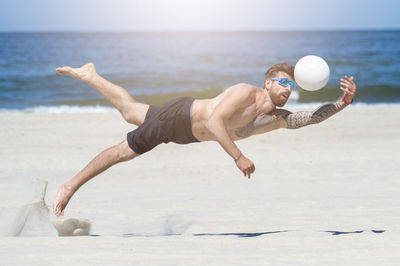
(245, 165)
(349, 87)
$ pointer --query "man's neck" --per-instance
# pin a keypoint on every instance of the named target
(264, 103)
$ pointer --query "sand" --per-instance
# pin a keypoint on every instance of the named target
(325, 194)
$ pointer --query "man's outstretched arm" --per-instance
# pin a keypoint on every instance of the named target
(303, 118)
(281, 118)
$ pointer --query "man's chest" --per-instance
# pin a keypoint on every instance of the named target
(241, 117)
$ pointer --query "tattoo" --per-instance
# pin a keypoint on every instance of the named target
(292, 120)
(304, 118)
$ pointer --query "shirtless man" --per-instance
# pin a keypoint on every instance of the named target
(239, 112)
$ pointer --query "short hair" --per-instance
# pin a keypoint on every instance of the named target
(281, 67)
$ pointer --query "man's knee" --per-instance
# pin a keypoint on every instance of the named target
(130, 117)
(135, 113)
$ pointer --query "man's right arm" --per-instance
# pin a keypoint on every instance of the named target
(305, 118)
(300, 119)
(281, 118)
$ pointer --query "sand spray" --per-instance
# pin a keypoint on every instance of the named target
(29, 219)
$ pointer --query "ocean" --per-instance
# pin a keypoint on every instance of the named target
(157, 66)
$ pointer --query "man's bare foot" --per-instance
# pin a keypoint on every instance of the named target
(63, 196)
(84, 73)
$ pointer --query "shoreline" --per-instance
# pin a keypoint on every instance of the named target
(100, 108)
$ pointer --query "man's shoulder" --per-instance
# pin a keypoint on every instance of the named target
(242, 86)
(246, 86)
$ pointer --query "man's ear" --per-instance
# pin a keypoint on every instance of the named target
(267, 84)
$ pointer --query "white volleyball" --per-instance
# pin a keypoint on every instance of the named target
(311, 73)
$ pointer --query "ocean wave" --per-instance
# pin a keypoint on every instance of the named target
(176, 64)
(314, 105)
(61, 109)
(74, 109)
(379, 93)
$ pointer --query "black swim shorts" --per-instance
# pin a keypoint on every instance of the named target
(171, 122)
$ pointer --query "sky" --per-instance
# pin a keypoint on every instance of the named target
(193, 15)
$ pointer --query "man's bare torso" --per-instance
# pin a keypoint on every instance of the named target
(203, 109)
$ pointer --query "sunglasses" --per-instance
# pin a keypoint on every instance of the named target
(285, 82)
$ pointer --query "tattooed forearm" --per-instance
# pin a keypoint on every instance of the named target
(304, 118)
(283, 118)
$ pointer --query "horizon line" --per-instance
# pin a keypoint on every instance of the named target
(197, 30)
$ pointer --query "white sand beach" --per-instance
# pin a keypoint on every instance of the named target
(326, 194)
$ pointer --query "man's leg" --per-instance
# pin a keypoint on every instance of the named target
(119, 153)
(132, 111)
